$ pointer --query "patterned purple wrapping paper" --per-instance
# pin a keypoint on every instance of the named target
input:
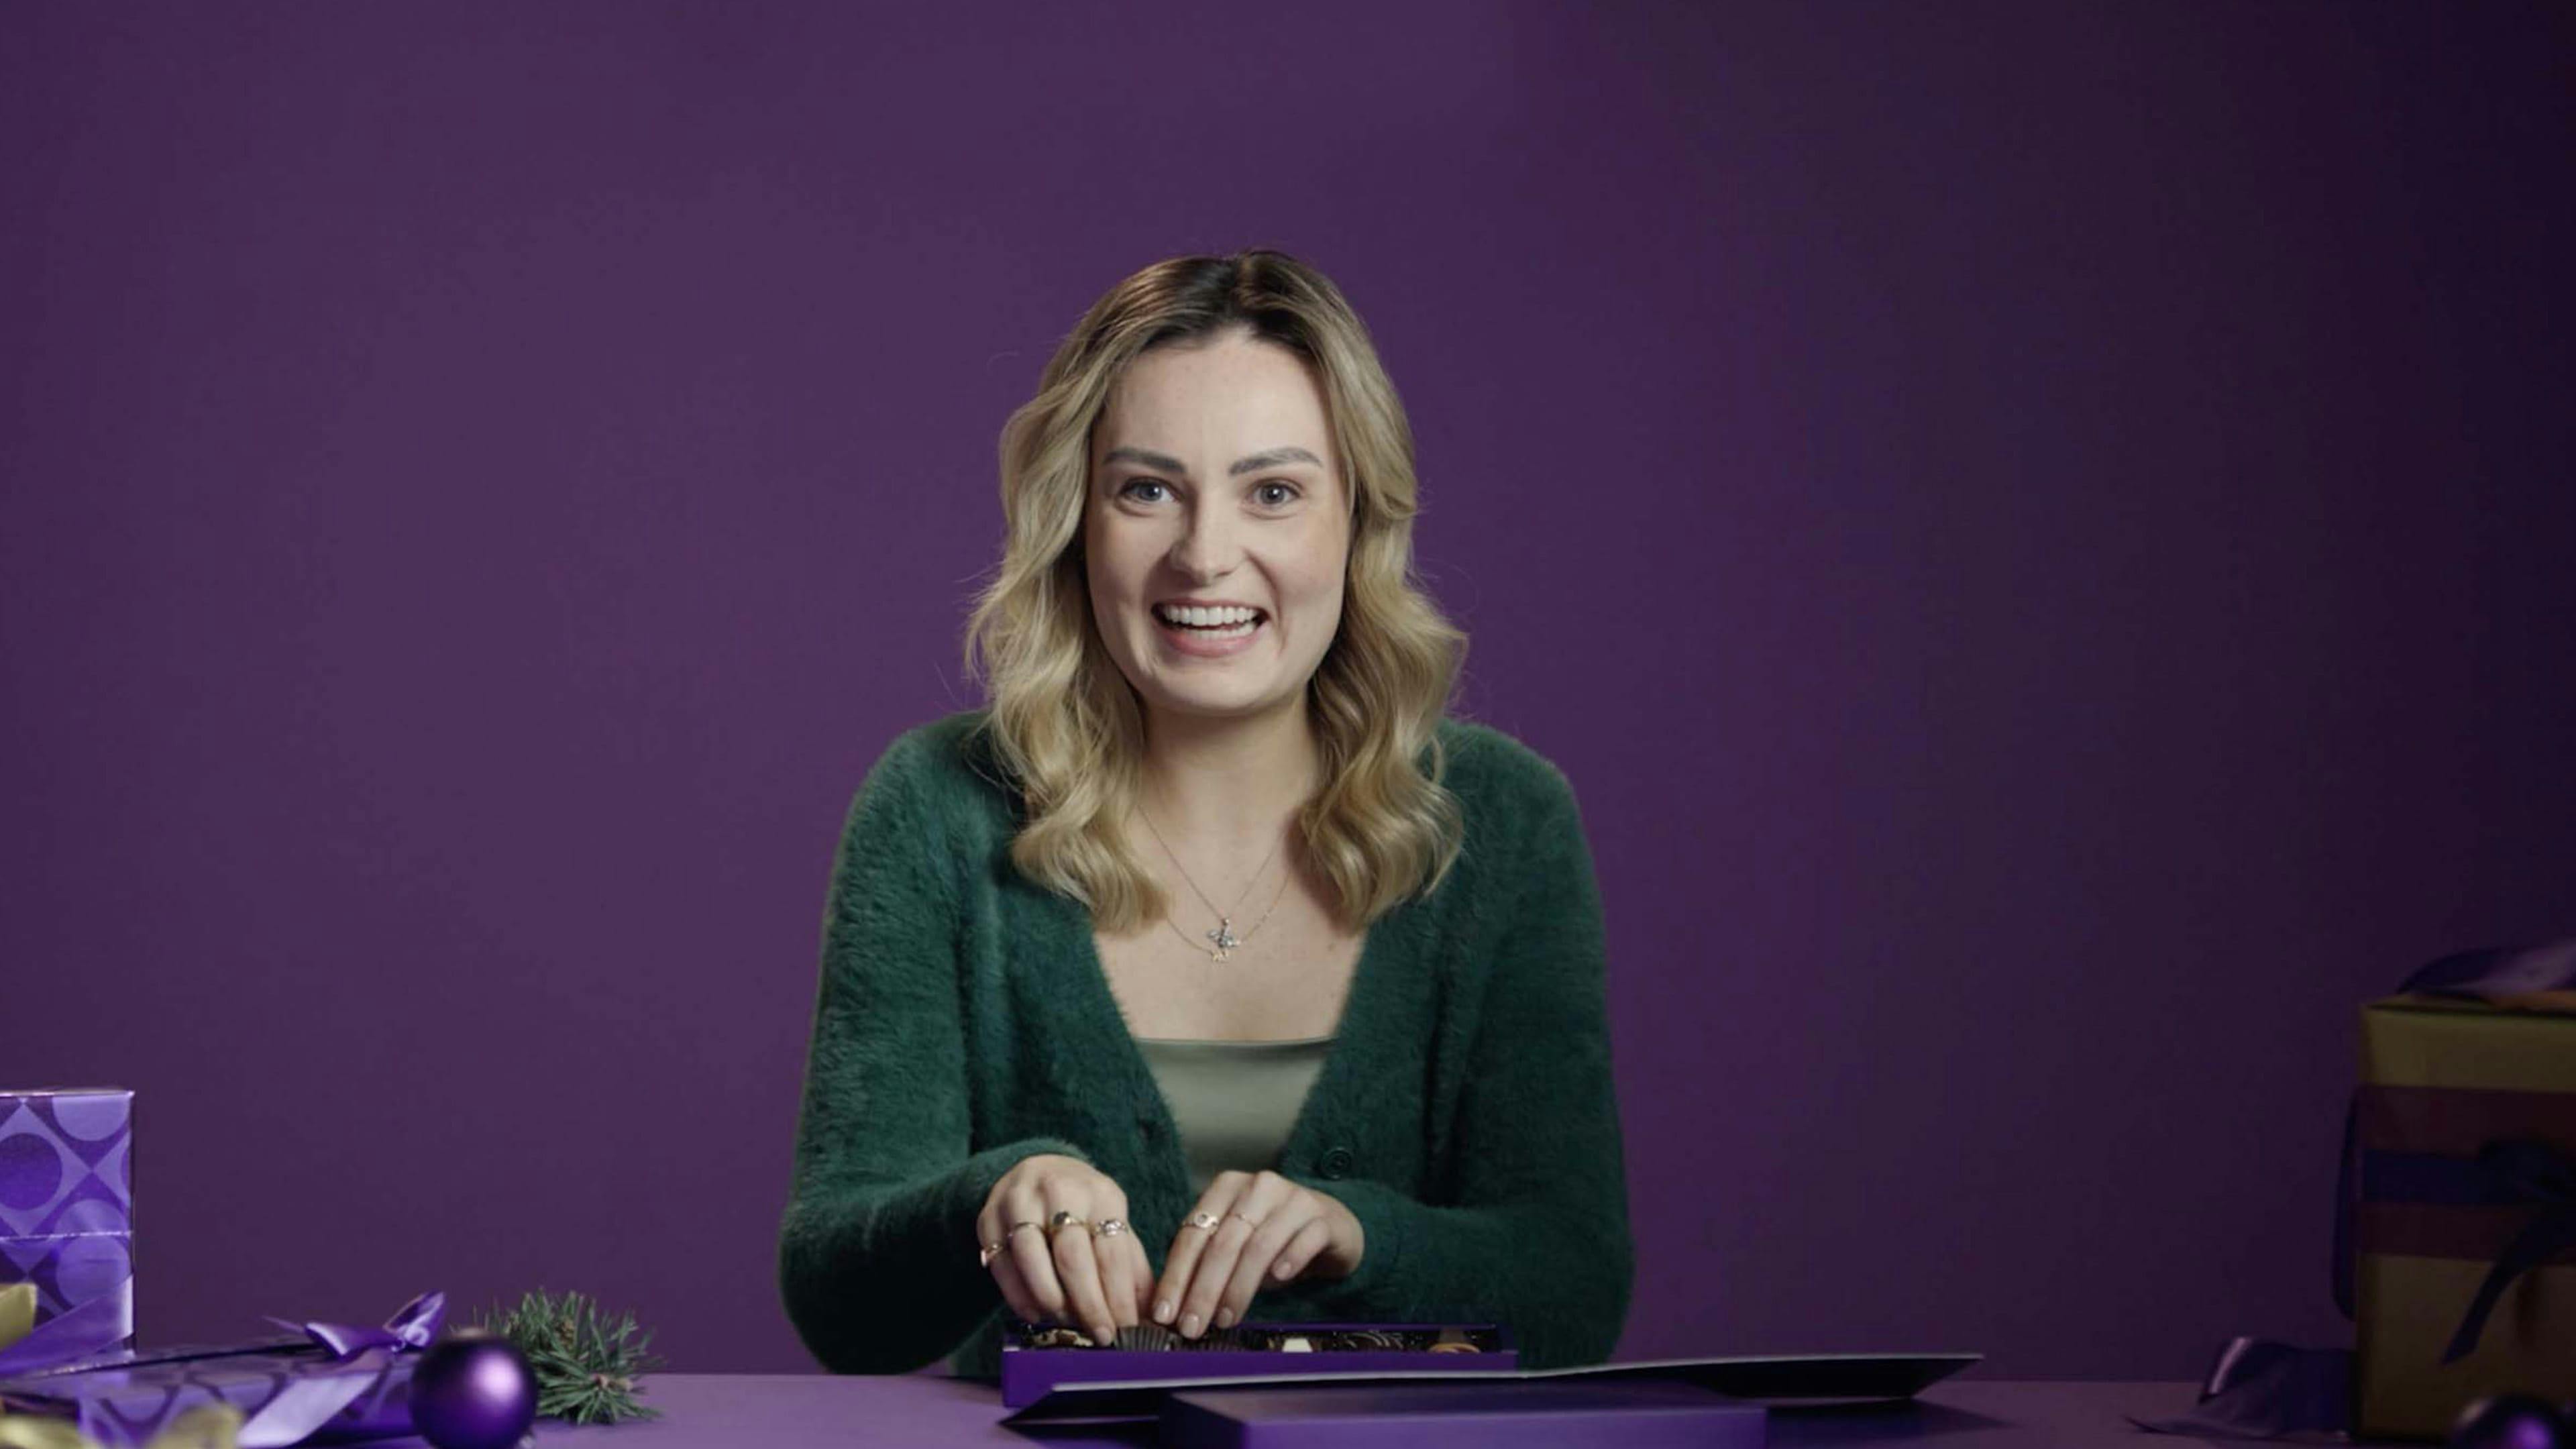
(126, 1400)
(67, 1219)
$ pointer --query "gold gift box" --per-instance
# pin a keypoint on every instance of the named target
(2441, 1078)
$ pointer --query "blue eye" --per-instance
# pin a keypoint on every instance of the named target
(1128, 490)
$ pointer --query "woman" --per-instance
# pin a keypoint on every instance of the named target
(1211, 972)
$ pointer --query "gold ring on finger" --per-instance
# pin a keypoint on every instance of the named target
(1015, 1227)
(1204, 1221)
(1064, 1220)
(1247, 1222)
(1108, 1228)
(991, 1251)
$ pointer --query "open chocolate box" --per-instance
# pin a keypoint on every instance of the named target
(1036, 1359)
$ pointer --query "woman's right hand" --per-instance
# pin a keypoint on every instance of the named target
(1101, 1283)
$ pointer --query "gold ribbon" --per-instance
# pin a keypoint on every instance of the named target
(207, 1426)
(17, 1312)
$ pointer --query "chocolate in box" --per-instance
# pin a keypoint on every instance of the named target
(1248, 1350)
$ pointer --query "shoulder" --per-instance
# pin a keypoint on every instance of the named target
(1495, 774)
(941, 762)
(945, 773)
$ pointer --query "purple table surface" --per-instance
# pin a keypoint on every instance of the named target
(824, 1411)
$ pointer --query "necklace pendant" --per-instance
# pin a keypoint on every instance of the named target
(1225, 938)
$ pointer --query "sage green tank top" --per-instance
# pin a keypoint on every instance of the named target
(1233, 1101)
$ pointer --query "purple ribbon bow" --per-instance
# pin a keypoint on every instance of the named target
(411, 1328)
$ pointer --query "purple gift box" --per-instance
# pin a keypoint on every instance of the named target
(135, 1399)
(67, 1219)
(130, 1401)
(333, 1383)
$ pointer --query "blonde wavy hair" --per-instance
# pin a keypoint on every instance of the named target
(1062, 718)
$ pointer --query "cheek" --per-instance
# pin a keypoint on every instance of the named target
(1108, 565)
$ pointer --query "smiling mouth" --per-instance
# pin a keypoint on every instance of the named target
(1212, 631)
(1231, 629)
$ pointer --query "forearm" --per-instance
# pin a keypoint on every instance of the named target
(884, 1278)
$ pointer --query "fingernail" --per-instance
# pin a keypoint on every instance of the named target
(1104, 1337)
(1162, 1310)
(1190, 1325)
(1279, 1271)
(1225, 1318)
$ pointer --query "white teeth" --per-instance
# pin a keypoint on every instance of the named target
(1205, 618)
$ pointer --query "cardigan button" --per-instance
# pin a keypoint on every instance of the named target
(1336, 1163)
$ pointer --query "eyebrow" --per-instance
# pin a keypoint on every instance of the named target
(1254, 464)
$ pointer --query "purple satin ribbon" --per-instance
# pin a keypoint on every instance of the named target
(2258, 1389)
(100, 1324)
(2533, 1172)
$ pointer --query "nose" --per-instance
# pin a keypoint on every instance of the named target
(1204, 551)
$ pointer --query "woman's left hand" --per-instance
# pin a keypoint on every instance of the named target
(1269, 1231)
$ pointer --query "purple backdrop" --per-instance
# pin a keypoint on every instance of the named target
(2039, 535)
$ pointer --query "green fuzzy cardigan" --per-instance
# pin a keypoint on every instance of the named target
(1465, 1114)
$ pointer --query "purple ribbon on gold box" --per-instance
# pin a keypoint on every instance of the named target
(334, 1381)
(66, 1223)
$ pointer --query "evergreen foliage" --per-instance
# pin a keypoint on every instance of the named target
(587, 1366)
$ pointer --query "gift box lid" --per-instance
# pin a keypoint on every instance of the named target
(1775, 1380)
(1500, 1414)
(2546, 1003)
(2520, 1043)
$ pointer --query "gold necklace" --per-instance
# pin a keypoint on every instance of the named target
(1223, 935)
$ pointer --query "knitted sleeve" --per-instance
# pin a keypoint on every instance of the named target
(1538, 1238)
(877, 1251)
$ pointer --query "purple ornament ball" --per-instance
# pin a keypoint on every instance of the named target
(473, 1390)
(2511, 1421)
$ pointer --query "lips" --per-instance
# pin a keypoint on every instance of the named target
(1209, 642)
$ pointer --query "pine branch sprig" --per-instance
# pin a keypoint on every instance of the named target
(587, 1366)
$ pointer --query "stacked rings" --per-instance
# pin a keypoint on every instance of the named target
(1105, 1228)
(992, 1250)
